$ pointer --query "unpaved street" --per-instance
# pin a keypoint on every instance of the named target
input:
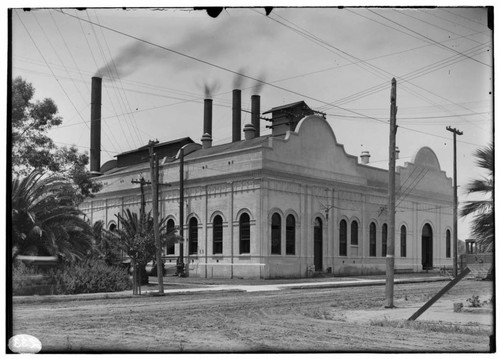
(313, 320)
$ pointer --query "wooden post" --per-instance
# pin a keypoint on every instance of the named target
(136, 279)
(181, 213)
(389, 284)
(455, 200)
(154, 188)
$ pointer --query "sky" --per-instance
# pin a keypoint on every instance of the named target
(158, 64)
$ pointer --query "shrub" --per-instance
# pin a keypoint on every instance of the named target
(27, 279)
(474, 301)
(90, 276)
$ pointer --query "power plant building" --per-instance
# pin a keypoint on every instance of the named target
(285, 204)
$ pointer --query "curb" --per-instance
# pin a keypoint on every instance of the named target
(366, 283)
(113, 295)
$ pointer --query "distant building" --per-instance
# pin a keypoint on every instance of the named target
(286, 204)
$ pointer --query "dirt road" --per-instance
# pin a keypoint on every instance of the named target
(316, 320)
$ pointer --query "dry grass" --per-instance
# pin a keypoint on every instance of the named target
(469, 328)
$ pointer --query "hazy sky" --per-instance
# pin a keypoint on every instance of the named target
(157, 63)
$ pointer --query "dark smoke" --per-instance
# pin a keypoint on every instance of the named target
(238, 80)
(259, 84)
(213, 42)
(210, 89)
(129, 59)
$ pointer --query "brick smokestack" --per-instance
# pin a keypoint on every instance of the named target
(256, 114)
(207, 117)
(236, 115)
(95, 124)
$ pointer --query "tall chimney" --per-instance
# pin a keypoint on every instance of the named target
(207, 117)
(95, 125)
(256, 114)
(236, 115)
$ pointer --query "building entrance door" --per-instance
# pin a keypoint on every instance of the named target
(427, 247)
(318, 244)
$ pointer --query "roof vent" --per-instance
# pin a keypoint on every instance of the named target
(365, 157)
(249, 131)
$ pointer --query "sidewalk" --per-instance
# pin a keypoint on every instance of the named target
(180, 286)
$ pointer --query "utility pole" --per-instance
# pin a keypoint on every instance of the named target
(142, 215)
(455, 200)
(180, 260)
(154, 189)
(389, 286)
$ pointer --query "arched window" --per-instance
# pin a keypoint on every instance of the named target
(217, 235)
(354, 233)
(290, 234)
(244, 233)
(112, 227)
(276, 234)
(403, 241)
(384, 239)
(343, 238)
(373, 240)
(193, 236)
(448, 244)
(170, 230)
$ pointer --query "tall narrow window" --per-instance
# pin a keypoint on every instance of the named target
(403, 241)
(170, 231)
(384, 239)
(343, 238)
(244, 233)
(193, 236)
(290, 234)
(373, 240)
(448, 244)
(217, 235)
(276, 234)
(354, 233)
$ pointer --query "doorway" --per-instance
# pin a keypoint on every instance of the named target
(318, 244)
(427, 247)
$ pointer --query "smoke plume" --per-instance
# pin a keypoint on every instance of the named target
(212, 41)
(210, 88)
(259, 84)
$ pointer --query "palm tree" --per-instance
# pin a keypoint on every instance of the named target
(135, 236)
(483, 224)
(45, 219)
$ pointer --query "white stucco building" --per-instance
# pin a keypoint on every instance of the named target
(278, 205)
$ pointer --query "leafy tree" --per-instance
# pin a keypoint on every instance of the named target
(45, 219)
(482, 210)
(33, 149)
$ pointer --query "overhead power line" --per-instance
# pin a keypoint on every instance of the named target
(241, 74)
